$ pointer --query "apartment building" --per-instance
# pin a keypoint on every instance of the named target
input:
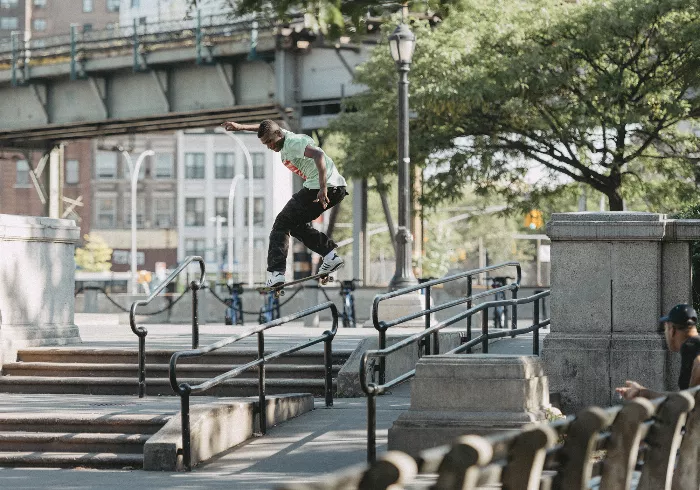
(55, 17)
(156, 216)
(12, 17)
(207, 164)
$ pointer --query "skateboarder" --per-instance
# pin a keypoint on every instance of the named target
(324, 188)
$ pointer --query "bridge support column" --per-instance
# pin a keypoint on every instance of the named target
(37, 282)
(613, 276)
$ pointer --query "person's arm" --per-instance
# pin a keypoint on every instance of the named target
(632, 389)
(234, 126)
(319, 158)
(695, 373)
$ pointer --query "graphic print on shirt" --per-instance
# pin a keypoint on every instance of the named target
(294, 169)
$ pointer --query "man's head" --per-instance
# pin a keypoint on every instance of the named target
(271, 135)
(679, 324)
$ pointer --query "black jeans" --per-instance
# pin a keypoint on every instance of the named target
(295, 219)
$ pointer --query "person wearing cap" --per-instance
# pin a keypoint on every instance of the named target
(680, 329)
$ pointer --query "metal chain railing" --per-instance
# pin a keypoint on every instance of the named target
(127, 310)
(226, 301)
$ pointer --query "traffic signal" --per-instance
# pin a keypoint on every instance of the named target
(534, 219)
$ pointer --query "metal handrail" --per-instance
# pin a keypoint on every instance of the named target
(372, 390)
(141, 331)
(382, 326)
(184, 390)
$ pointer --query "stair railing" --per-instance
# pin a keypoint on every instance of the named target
(184, 390)
(141, 331)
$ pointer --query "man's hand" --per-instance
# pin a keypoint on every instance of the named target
(232, 126)
(632, 389)
(322, 197)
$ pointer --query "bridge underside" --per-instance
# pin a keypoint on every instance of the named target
(43, 137)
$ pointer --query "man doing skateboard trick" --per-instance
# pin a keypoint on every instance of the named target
(324, 188)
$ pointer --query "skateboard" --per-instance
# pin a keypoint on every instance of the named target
(279, 290)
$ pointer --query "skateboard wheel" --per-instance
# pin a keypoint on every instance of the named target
(280, 293)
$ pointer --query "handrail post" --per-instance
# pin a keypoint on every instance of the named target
(469, 307)
(426, 342)
(536, 331)
(371, 427)
(382, 360)
(485, 330)
(194, 286)
(14, 39)
(261, 383)
(142, 365)
(514, 311)
(73, 52)
(186, 437)
(328, 360)
(136, 46)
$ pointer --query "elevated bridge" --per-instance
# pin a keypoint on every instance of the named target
(190, 73)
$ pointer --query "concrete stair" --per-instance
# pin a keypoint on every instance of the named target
(56, 370)
(78, 440)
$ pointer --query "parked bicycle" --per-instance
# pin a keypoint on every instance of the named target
(234, 309)
(500, 313)
(270, 309)
(348, 314)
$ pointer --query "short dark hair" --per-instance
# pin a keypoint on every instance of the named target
(268, 126)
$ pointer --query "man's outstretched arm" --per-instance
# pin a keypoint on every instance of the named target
(633, 389)
(234, 126)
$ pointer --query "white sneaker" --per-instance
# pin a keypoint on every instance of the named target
(274, 279)
(330, 264)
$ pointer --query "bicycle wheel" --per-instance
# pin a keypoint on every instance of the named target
(230, 312)
(239, 313)
(352, 320)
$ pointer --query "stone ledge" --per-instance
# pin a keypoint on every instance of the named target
(38, 229)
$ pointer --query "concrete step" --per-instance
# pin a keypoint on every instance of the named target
(69, 460)
(85, 369)
(230, 357)
(156, 386)
(73, 442)
(85, 422)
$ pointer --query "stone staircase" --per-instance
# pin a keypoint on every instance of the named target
(113, 371)
(76, 440)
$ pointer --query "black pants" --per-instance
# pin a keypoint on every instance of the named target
(295, 219)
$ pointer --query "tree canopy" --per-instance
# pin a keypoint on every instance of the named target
(596, 92)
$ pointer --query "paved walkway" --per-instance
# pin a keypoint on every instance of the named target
(300, 450)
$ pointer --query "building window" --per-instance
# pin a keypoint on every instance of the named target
(223, 165)
(106, 212)
(258, 211)
(195, 246)
(39, 24)
(135, 4)
(164, 166)
(221, 205)
(106, 165)
(194, 211)
(88, 5)
(72, 171)
(113, 5)
(194, 165)
(8, 4)
(124, 257)
(140, 209)
(40, 3)
(22, 176)
(163, 210)
(87, 27)
(258, 166)
(8, 23)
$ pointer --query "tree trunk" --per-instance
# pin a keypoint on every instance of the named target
(615, 201)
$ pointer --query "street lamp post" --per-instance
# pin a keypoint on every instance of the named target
(231, 194)
(402, 43)
(218, 220)
(134, 169)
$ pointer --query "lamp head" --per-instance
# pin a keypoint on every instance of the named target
(402, 42)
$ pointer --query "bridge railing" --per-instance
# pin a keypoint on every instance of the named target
(643, 444)
(141, 331)
(184, 390)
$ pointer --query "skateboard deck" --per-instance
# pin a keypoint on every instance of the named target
(279, 290)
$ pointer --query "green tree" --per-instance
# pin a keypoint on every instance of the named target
(594, 92)
(94, 256)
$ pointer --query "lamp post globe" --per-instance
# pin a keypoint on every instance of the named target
(402, 43)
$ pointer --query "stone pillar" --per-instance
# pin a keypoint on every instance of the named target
(453, 395)
(612, 276)
(37, 283)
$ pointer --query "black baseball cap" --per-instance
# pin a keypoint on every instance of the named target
(680, 314)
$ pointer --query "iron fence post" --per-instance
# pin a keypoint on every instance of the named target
(261, 383)
(485, 330)
(73, 53)
(514, 311)
(469, 307)
(536, 331)
(371, 427)
(142, 365)
(198, 38)
(186, 441)
(14, 37)
(194, 286)
(136, 46)
(328, 359)
(427, 349)
(382, 360)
